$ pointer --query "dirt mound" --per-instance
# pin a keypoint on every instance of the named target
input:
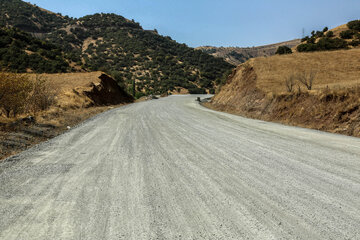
(257, 89)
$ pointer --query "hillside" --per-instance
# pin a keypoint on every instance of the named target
(20, 52)
(121, 47)
(346, 36)
(271, 89)
(238, 55)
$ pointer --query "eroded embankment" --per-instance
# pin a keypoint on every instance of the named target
(332, 110)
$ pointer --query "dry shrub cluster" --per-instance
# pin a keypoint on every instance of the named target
(19, 94)
(302, 78)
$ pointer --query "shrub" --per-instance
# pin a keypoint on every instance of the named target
(283, 50)
(139, 95)
(305, 39)
(355, 43)
(307, 79)
(325, 29)
(290, 82)
(354, 25)
(306, 47)
(329, 34)
(311, 40)
(347, 34)
(331, 44)
(15, 90)
(323, 44)
(42, 96)
(196, 90)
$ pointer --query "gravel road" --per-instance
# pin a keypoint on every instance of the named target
(171, 169)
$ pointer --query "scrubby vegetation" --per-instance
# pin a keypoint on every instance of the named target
(323, 44)
(354, 25)
(157, 64)
(20, 52)
(321, 41)
(121, 48)
(326, 40)
(283, 50)
(304, 78)
(19, 94)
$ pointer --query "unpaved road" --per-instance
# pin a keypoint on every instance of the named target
(171, 169)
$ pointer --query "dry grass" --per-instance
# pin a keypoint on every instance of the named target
(334, 69)
(257, 89)
(70, 88)
(339, 29)
(68, 81)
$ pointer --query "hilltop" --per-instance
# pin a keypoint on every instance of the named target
(238, 55)
(137, 58)
(346, 36)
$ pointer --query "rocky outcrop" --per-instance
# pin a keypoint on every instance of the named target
(107, 92)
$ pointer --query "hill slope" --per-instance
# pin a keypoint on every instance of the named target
(259, 89)
(238, 55)
(20, 52)
(346, 36)
(108, 42)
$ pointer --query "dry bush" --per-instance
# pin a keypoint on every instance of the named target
(19, 94)
(42, 95)
(290, 82)
(307, 79)
(15, 90)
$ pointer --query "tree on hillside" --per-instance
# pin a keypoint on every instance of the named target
(283, 50)
(347, 34)
(354, 25)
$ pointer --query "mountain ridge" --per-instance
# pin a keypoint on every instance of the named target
(238, 55)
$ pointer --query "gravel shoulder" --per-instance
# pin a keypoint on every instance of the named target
(172, 169)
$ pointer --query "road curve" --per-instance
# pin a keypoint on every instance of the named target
(171, 169)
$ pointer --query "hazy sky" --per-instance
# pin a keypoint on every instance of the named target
(220, 22)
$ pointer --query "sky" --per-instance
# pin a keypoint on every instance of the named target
(242, 23)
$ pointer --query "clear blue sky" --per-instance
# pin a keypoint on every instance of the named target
(220, 22)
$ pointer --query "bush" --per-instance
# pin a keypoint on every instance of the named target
(355, 43)
(195, 90)
(42, 96)
(15, 90)
(307, 79)
(329, 34)
(283, 50)
(354, 25)
(290, 82)
(139, 95)
(347, 34)
(331, 44)
(305, 39)
(323, 44)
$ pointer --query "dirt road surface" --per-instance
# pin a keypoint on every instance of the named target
(171, 169)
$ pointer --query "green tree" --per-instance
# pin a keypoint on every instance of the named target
(283, 50)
